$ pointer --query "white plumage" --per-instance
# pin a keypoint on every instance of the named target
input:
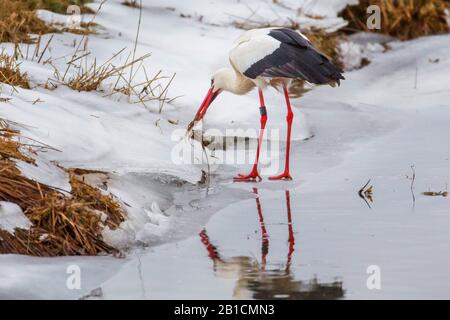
(251, 50)
(253, 46)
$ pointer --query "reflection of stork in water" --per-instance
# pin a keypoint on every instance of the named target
(254, 281)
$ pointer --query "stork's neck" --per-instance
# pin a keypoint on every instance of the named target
(236, 83)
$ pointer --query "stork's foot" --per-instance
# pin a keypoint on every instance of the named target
(284, 176)
(251, 177)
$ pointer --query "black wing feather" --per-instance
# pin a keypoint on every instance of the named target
(295, 58)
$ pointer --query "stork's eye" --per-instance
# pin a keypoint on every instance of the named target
(212, 82)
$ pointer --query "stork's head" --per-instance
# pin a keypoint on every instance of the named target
(222, 80)
(219, 82)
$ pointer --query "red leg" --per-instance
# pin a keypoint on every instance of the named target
(210, 248)
(264, 235)
(290, 115)
(291, 238)
(254, 175)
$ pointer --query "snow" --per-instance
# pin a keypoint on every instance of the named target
(383, 119)
(354, 55)
(145, 220)
(321, 8)
(12, 217)
(24, 277)
(360, 48)
(285, 12)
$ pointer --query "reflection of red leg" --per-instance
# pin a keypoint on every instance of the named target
(264, 235)
(212, 250)
(254, 175)
(290, 115)
(291, 238)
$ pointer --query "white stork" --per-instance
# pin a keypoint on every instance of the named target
(270, 56)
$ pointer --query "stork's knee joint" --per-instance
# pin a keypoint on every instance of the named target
(290, 116)
(263, 121)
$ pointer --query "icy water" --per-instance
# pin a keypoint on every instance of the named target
(289, 245)
(257, 257)
(316, 237)
(310, 238)
(268, 275)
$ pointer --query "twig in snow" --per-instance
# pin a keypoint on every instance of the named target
(45, 48)
(366, 194)
(164, 93)
(38, 100)
(413, 179)
(39, 144)
(36, 49)
(137, 37)
(141, 275)
(158, 125)
(84, 37)
(435, 194)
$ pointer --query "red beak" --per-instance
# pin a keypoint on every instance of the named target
(210, 96)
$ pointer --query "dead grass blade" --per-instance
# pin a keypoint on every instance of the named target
(403, 19)
(10, 72)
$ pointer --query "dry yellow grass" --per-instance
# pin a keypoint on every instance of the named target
(85, 28)
(18, 18)
(91, 79)
(131, 3)
(9, 148)
(404, 19)
(58, 6)
(89, 76)
(62, 224)
(10, 72)
(18, 21)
